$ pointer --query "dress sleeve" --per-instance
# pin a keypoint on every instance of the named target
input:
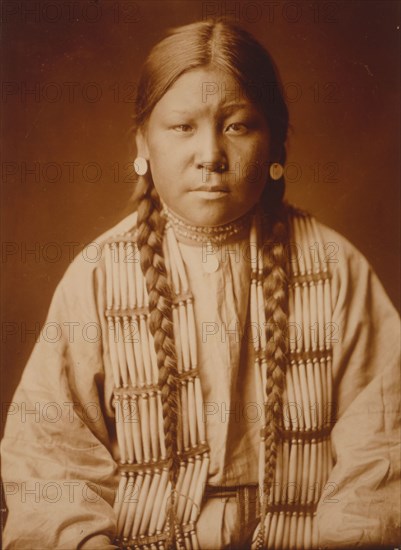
(360, 506)
(58, 471)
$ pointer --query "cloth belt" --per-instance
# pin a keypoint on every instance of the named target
(247, 498)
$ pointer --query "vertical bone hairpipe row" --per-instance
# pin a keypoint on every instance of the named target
(320, 366)
(316, 385)
(158, 501)
(315, 267)
(133, 273)
(322, 370)
(132, 500)
(142, 511)
(140, 356)
(326, 307)
(319, 270)
(311, 329)
(309, 477)
(193, 428)
(119, 296)
(110, 318)
(313, 260)
(327, 380)
(124, 507)
(316, 390)
(123, 348)
(315, 270)
(317, 321)
(120, 494)
(117, 305)
(302, 294)
(301, 384)
(306, 388)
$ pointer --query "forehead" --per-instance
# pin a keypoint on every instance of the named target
(203, 90)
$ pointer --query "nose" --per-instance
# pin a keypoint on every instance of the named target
(211, 152)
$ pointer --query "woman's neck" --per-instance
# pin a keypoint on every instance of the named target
(216, 234)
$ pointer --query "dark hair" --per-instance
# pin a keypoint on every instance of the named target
(225, 46)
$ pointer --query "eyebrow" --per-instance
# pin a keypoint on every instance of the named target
(235, 106)
(180, 112)
(228, 107)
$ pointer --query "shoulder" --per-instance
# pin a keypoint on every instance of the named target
(124, 228)
(358, 297)
(319, 253)
(318, 243)
(88, 266)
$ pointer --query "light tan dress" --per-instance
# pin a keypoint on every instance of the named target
(60, 451)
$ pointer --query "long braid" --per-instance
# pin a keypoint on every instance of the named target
(234, 51)
(150, 226)
(275, 292)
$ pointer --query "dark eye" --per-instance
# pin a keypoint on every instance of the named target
(237, 128)
(183, 128)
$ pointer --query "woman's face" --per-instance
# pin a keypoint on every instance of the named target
(208, 148)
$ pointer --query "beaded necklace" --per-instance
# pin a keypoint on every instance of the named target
(214, 234)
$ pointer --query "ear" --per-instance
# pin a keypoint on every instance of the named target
(141, 145)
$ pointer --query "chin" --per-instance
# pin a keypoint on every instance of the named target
(208, 213)
(209, 216)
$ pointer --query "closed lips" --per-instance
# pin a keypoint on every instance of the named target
(212, 188)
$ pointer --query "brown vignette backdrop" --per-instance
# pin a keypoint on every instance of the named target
(69, 72)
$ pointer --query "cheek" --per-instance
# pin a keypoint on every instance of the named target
(260, 152)
(158, 156)
(161, 165)
(253, 152)
(165, 158)
(253, 166)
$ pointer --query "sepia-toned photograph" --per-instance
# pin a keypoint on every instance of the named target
(200, 260)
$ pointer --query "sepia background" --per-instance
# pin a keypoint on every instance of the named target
(69, 74)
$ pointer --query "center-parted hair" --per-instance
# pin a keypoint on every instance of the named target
(227, 47)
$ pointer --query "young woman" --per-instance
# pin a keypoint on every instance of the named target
(224, 374)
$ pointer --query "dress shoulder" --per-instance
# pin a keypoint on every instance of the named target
(91, 258)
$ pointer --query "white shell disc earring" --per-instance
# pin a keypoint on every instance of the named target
(140, 166)
(276, 171)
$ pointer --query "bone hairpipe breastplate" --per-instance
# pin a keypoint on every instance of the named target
(304, 455)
